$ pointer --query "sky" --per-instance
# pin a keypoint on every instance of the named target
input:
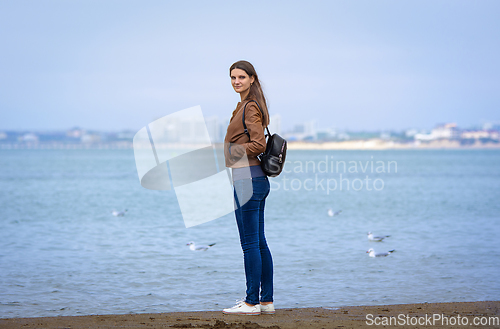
(350, 65)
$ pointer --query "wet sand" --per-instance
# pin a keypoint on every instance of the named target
(451, 315)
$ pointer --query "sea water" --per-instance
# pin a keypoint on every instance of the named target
(62, 252)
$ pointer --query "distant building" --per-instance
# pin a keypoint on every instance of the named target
(343, 136)
(444, 131)
(75, 132)
(275, 125)
(223, 129)
(480, 134)
(326, 134)
(90, 138)
(181, 129)
(491, 126)
(310, 129)
(213, 128)
(3, 135)
(385, 135)
(126, 134)
(411, 132)
(303, 131)
(29, 138)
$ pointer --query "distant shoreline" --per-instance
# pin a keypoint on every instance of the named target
(378, 144)
(371, 144)
(484, 314)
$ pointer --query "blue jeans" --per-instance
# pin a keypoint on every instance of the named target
(257, 257)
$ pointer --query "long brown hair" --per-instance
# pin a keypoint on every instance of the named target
(255, 89)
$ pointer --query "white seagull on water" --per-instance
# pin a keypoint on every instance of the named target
(194, 247)
(331, 213)
(117, 213)
(377, 238)
(373, 253)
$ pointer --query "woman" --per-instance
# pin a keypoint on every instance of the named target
(251, 187)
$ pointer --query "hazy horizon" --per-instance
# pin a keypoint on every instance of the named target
(363, 66)
(283, 130)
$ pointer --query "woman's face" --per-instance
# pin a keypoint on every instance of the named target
(241, 81)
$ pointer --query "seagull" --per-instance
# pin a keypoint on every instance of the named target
(372, 253)
(377, 238)
(194, 247)
(117, 213)
(331, 213)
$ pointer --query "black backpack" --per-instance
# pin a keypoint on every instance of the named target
(273, 158)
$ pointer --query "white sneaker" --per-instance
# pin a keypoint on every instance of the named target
(267, 309)
(243, 308)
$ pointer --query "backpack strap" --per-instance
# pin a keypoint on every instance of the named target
(243, 118)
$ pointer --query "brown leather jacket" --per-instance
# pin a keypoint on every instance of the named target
(237, 143)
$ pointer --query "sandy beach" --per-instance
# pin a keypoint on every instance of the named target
(485, 314)
(379, 144)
